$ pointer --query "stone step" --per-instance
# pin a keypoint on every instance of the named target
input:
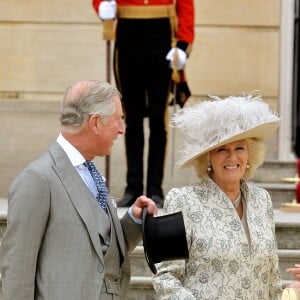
(287, 228)
(288, 239)
(275, 171)
(140, 289)
(271, 175)
(279, 192)
(139, 266)
(287, 259)
(141, 285)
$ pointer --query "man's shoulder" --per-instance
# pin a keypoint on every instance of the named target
(39, 164)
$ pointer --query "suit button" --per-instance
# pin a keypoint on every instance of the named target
(100, 268)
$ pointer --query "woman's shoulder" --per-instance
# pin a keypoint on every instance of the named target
(185, 195)
(257, 196)
(202, 185)
(254, 190)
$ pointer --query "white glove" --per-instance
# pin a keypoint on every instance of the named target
(107, 10)
(179, 62)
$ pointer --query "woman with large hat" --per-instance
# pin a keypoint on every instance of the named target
(229, 222)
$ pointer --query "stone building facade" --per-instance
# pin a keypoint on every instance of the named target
(240, 46)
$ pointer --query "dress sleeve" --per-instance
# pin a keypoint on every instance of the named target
(275, 281)
(168, 282)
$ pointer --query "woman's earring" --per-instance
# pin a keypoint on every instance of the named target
(247, 166)
(209, 168)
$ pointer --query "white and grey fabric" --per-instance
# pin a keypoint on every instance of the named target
(223, 264)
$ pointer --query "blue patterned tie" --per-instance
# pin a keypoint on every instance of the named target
(100, 184)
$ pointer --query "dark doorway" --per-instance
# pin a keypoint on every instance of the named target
(296, 92)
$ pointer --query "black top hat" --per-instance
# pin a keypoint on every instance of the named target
(164, 238)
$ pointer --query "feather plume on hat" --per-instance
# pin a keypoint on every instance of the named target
(216, 122)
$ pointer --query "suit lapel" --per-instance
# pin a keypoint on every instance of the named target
(116, 224)
(77, 191)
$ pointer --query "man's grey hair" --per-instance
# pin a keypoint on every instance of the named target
(85, 98)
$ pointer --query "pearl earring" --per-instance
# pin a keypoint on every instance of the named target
(209, 168)
(247, 167)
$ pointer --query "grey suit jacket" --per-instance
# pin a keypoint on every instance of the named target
(51, 249)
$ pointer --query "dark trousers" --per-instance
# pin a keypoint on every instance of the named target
(143, 76)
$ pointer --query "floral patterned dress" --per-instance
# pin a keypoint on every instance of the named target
(223, 263)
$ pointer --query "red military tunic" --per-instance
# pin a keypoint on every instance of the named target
(184, 11)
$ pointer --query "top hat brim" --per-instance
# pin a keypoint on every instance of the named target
(260, 132)
(145, 243)
(164, 238)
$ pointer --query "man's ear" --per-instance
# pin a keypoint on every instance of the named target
(94, 122)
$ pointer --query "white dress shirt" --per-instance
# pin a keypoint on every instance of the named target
(77, 161)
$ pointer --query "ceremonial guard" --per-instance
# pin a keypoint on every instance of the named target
(148, 35)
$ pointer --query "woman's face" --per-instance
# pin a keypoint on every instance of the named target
(229, 162)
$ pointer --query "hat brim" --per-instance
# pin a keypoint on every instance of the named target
(260, 132)
(146, 248)
(164, 238)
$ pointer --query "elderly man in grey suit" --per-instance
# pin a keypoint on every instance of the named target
(60, 243)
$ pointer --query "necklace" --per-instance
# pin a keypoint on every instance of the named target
(237, 201)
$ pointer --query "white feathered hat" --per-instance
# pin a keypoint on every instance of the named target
(216, 122)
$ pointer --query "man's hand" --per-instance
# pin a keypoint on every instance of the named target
(140, 203)
(177, 58)
(107, 10)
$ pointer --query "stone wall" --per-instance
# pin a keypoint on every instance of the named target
(47, 45)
